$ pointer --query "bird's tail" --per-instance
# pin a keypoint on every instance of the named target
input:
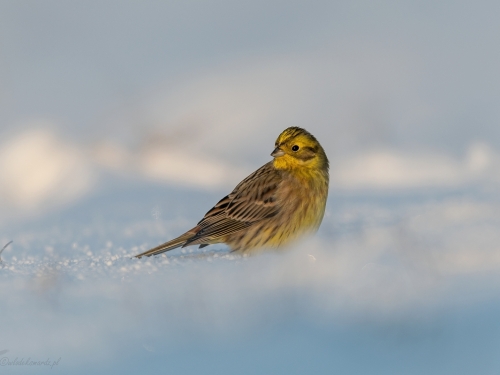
(170, 245)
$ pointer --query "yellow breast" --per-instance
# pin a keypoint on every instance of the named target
(302, 202)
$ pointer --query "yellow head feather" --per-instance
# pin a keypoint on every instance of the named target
(297, 149)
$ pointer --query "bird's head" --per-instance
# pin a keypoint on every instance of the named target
(297, 148)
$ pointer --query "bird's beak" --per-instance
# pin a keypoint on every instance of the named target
(277, 152)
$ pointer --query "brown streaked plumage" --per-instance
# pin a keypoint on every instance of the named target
(279, 202)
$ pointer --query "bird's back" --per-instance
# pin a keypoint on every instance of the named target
(300, 205)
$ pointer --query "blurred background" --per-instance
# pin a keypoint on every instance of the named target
(122, 123)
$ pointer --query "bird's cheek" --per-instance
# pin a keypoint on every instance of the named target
(307, 155)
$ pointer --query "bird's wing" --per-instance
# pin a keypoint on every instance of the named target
(254, 199)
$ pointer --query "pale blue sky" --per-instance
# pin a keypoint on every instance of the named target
(78, 64)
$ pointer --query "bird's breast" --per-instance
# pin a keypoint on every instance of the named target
(301, 203)
(303, 206)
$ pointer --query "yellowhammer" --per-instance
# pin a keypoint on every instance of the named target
(279, 202)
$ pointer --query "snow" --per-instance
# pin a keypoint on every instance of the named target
(70, 287)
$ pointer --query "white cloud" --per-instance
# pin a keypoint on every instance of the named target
(40, 170)
(181, 168)
(218, 120)
(164, 160)
(393, 169)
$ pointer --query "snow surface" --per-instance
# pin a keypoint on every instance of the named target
(413, 278)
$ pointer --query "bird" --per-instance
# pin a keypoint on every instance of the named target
(275, 205)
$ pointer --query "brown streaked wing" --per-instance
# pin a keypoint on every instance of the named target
(254, 199)
(215, 231)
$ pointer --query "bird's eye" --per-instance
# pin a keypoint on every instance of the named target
(295, 148)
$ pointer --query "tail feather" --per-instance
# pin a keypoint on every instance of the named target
(170, 245)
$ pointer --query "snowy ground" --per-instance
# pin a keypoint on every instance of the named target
(405, 283)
